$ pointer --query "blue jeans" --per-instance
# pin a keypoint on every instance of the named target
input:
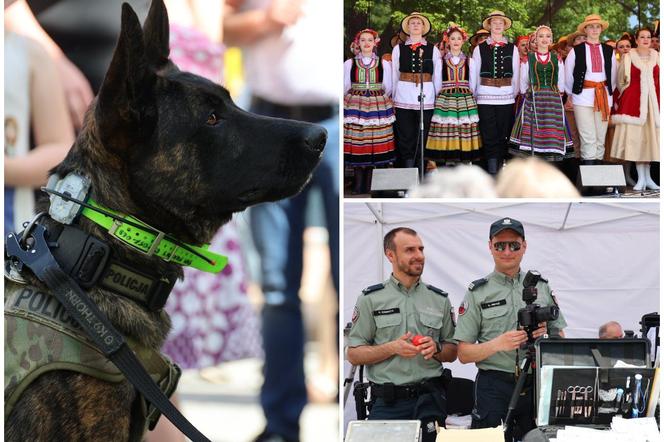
(277, 230)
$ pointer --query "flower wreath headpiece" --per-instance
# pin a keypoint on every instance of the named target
(453, 27)
(356, 40)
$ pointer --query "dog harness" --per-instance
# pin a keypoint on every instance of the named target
(41, 336)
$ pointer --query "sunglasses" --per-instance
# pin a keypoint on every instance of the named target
(502, 245)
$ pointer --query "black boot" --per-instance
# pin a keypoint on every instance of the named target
(358, 181)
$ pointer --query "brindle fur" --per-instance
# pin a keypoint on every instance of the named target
(149, 152)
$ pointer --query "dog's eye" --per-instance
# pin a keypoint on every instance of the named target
(212, 119)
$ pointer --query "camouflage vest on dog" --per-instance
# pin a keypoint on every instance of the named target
(40, 336)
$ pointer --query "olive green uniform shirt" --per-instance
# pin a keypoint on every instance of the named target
(490, 308)
(385, 314)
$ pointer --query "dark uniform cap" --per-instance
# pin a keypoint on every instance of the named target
(504, 224)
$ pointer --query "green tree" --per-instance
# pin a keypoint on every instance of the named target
(562, 15)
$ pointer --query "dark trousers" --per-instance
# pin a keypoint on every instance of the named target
(496, 121)
(277, 230)
(422, 408)
(407, 132)
(493, 391)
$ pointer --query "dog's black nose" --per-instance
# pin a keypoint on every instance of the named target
(315, 138)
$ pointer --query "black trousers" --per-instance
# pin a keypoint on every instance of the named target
(496, 121)
(406, 134)
(493, 391)
(423, 408)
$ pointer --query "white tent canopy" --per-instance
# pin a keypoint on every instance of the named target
(602, 260)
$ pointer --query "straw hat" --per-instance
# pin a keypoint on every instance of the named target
(571, 37)
(592, 19)
(425, 20)
(477, 35)
(497, 14)
(400, 37)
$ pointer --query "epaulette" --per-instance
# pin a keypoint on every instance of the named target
(544, 279)
(477, 283)
(437, 290)
(373, 288)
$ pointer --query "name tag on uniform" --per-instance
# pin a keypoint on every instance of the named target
(387, 311)
(486, 305)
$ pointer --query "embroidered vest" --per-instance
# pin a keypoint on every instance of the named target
(366, 77)
(543, 75)
(410, 61)
(580, 67)
(455, 74)
(496, 60)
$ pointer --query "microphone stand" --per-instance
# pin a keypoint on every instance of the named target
(421, 100)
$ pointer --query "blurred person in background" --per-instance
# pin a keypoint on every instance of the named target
(80, 36)
(533, 178)
(611, 330)
(34, 105)
(462, 181)
(286, 46)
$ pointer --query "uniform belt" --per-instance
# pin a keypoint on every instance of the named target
(308, 113)
(496, 82)
(414, 77)
(402, 391)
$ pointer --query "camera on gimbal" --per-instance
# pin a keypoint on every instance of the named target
(532, 314)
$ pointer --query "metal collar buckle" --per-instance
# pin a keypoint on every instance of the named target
(153, 247)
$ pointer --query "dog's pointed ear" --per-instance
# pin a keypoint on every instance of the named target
(128, 81)
(156, 34)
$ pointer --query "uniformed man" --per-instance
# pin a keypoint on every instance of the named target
(489, 335)
(389, 321)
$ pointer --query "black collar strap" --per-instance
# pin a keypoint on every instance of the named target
(90, 262)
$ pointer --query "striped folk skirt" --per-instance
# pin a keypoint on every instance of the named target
(541, 127)
(368, 133)
(454, 134)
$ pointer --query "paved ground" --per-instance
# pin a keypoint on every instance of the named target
(223, 403)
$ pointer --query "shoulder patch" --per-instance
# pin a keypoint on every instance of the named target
(373, 288)
(477, 283)
(437, 290)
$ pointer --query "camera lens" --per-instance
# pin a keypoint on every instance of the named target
(548, 313)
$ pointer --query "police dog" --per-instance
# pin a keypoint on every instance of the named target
(171, 149)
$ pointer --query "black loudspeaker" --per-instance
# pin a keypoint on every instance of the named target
(594, 179)
(391, 183)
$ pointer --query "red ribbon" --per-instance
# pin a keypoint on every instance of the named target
(415, 46)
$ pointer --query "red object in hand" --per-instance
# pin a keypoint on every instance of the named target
(418, 339)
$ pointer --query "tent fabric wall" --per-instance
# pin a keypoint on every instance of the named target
(602, 260)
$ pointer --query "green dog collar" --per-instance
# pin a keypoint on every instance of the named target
(151, 241)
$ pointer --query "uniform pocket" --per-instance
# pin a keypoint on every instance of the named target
(495, 312)
(495, 320)
(383, 321)
(433, 324)
(431, 321)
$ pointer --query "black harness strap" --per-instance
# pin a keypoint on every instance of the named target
(40, 260)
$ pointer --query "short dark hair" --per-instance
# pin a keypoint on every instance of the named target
(388, 240)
